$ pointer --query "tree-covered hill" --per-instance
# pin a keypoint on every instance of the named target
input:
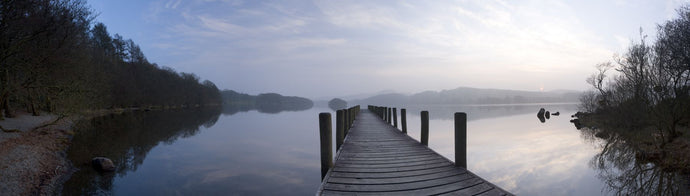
(54, 57)
(266, 102)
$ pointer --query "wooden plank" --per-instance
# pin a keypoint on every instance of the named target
(384, 155)
(355, 146)
(426, 191)
(386, 151)
(395, 165)
(391, 169)
(388, 161)
(392, 174)
(387, 158)
(406, 179)
(462, 178)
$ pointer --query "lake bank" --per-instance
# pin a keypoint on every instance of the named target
(33, 161)
(33, 151)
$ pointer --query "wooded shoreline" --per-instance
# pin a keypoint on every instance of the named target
(34, 149)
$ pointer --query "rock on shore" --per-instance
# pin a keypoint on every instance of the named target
(103, 164)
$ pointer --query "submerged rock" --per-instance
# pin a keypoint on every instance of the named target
(103, 164)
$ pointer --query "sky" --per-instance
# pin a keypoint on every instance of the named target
(323, 49)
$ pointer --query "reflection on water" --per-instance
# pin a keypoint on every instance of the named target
(509, 147)
(246, 152)
(626, 170)
(265, 108)
(127, 139)
(486, 111)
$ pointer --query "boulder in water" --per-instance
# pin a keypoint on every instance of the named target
(541, 113)
(103, 164)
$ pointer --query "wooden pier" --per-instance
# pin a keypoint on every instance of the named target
(376, 158)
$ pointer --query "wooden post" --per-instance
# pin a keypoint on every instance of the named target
(403, 120)
(425, 128)
(326, 149)
(352, 116)
(347, 118)
(461, 139)
(381, 114)
(395, 117)
(385, 114)
(390, 110)
(339, 128)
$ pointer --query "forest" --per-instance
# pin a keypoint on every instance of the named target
(55, 57)
(265, 102)
(650, 83)
(640, 108)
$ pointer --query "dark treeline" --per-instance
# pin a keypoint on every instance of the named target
(642, 113)
(55, 58)
(652, 87)
(267, 102)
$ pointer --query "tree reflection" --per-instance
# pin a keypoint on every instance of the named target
(628, 170)
(127, 139)
(272, 108)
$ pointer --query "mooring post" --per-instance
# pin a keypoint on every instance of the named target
(352, 116)
(381, 113)
(461, 139)
(425, 128)
(339, 128)
(395, 117)
(378, 111)
(389, 115)
(347, 119)
(326, 149)
(385, 114)
(403, 120)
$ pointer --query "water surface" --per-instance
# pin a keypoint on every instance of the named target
(251, 153)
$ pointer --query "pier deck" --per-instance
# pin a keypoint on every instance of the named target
(378, 159)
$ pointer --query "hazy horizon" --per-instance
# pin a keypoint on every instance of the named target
(322, 49)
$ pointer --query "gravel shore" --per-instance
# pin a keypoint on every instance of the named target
(33, 162)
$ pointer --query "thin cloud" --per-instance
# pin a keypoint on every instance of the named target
(491, 44)
(173, 4)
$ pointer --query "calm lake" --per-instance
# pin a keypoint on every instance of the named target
(233, 152)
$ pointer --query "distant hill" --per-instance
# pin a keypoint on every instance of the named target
(267, 102)
(467, 95)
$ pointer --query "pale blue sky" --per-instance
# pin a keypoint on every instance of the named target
(335, 48)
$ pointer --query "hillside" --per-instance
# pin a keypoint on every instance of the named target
(234, 102)
(467, 95)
